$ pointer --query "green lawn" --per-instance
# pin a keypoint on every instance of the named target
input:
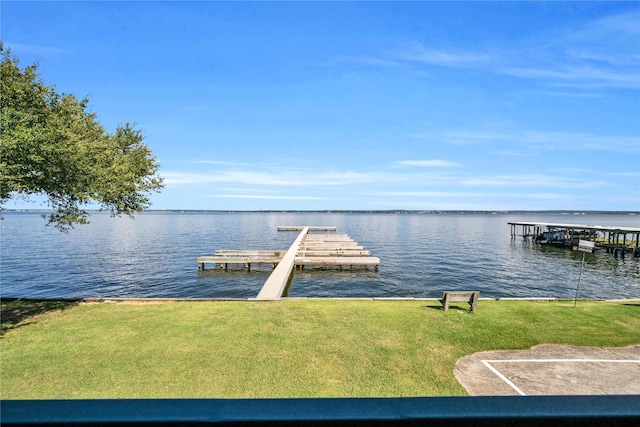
(293, 348)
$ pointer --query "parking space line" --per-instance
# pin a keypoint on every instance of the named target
(502, 377)
(562, 360)
(488, 364)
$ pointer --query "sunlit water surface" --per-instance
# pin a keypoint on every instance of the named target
(421, 255)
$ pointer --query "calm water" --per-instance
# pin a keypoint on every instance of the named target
(421, 255)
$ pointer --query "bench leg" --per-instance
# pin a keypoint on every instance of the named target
(474, 301)
(445, 302)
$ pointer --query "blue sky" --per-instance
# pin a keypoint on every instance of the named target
(359, 105)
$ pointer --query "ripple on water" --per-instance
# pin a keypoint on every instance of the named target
(421, 255)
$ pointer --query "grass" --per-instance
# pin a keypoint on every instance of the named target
(15, 312)
(313, 348)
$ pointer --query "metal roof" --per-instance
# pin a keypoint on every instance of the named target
(581, 226)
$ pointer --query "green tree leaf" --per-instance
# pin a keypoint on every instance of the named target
(51, 145)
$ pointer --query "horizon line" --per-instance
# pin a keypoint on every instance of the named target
(421, 211)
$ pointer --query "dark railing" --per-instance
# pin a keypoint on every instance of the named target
(583, 411)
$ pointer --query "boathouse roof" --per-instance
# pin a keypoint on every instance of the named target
(618, 229)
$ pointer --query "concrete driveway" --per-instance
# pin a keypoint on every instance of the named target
(551, 370)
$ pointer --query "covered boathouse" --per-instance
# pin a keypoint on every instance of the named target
(613, 239)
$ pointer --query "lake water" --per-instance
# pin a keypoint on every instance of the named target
(421, 255)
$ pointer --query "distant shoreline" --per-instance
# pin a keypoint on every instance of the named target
(367, 211)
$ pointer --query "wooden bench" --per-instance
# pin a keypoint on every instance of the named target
(470, 297)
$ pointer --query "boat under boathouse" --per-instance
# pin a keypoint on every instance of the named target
(612, 239)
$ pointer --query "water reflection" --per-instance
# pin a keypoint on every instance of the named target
(421, 255)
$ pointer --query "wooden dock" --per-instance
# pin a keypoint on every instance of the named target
(330, 250)
(224, 257)
(309, 228)
(308, 249)
(612, 239)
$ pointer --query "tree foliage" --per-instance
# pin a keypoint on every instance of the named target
(51, 145)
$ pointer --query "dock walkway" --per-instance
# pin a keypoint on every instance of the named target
(277, 282)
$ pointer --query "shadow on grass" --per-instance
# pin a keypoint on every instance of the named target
(14, 311)
(451, 307)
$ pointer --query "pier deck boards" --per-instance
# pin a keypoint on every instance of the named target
(224, 261)
(324, 243)
(333, 252)
(239, 259)
(328, 238)
(331, 247)
(309, 228)
(235, 252)
(329, 250)
(337, 261)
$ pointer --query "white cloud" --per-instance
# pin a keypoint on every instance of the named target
(467, 194)
(221, 163)
(274, 178)
(576, 171)
(514, 153)
(627, 174)
(427, 163)
(369, 61)
(540, 139)
(453, 58)
(622, 28)
(569, 94)
(32, 49)
(424, 194)
(600, 54)
(265, 197)
(532, 180)
(585, 76)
